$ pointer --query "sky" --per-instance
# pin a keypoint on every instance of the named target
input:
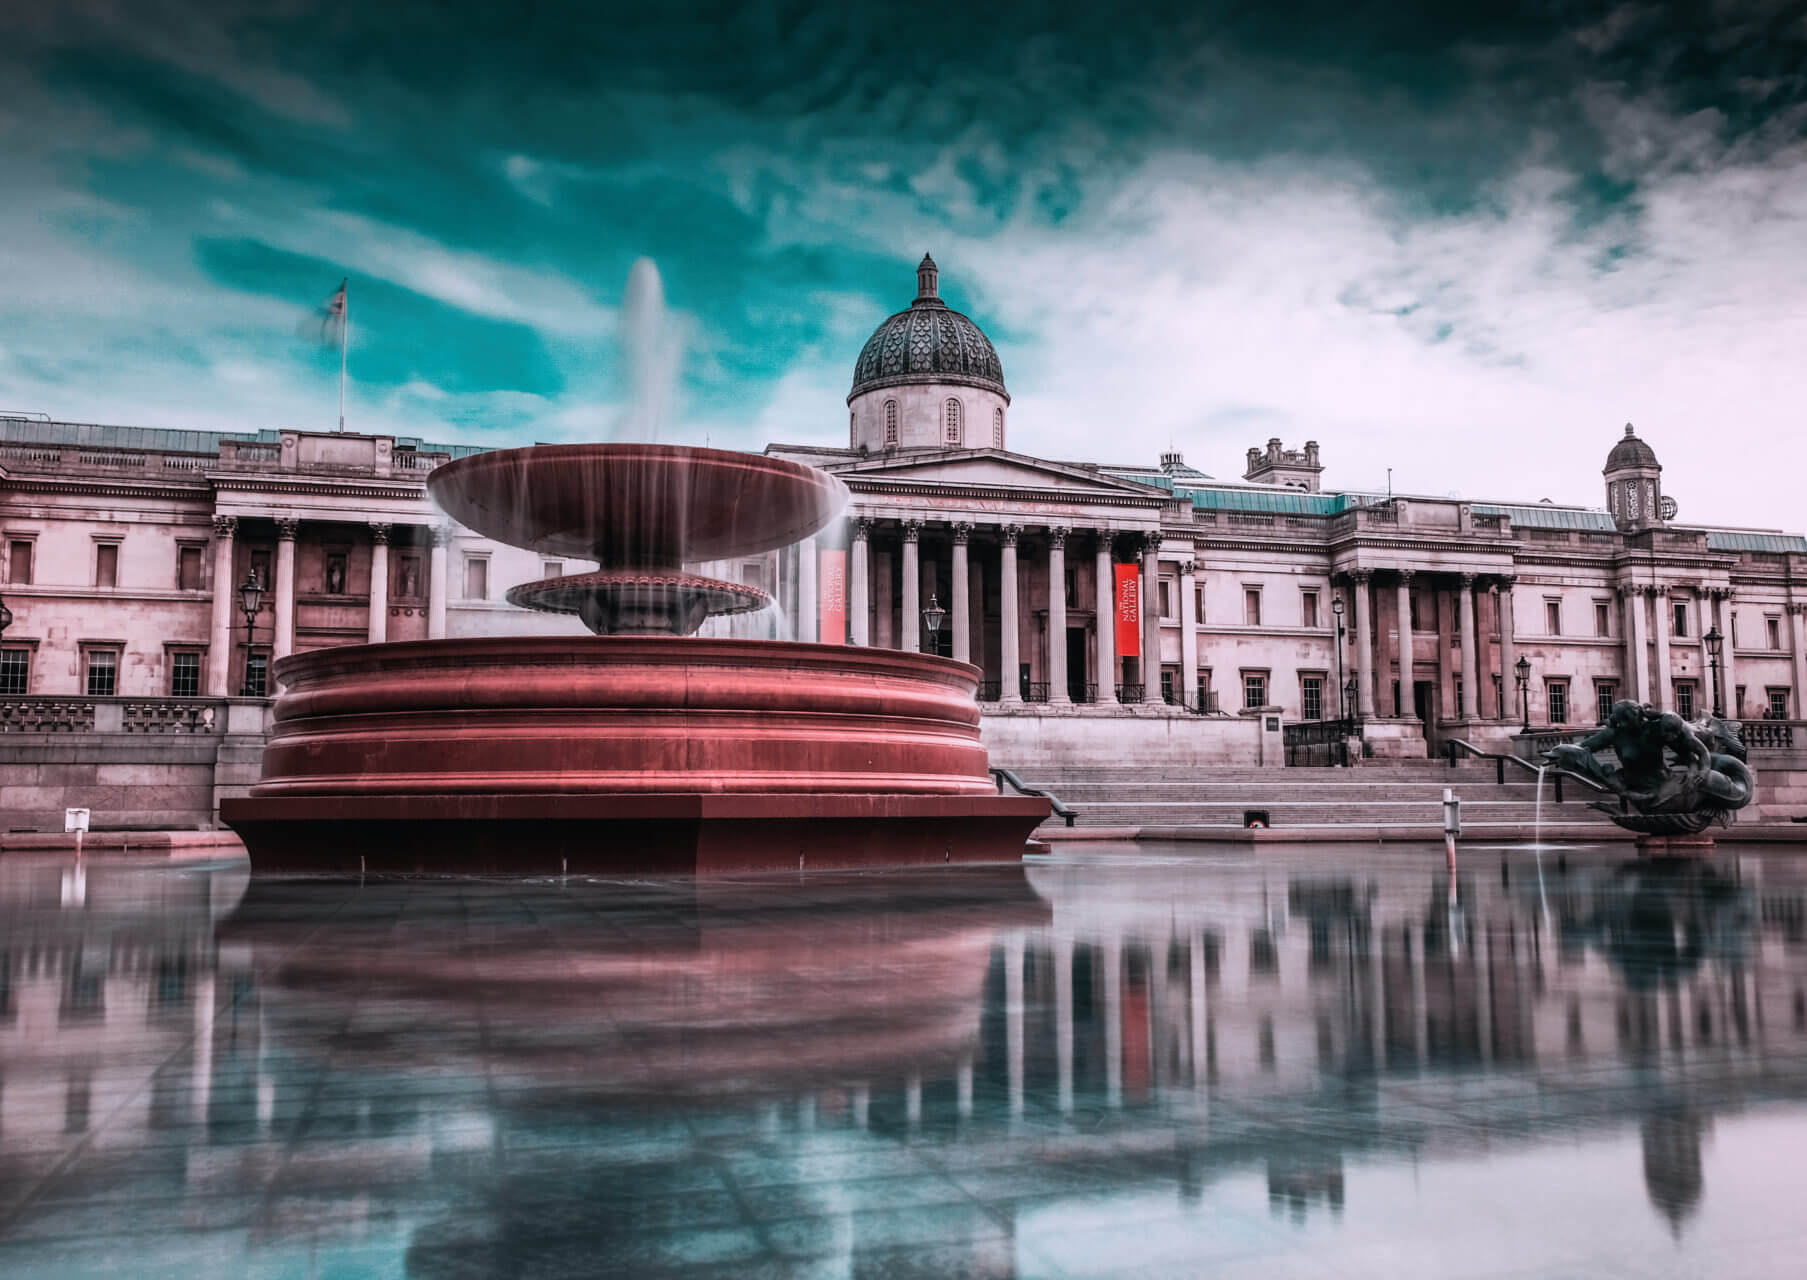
(1466, 242)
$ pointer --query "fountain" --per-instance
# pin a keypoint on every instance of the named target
(643, 747)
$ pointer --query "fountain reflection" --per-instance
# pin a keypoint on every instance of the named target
(965, 1071)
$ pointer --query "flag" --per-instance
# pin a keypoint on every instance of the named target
(327, 325)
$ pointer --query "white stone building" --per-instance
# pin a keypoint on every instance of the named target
(124, 549)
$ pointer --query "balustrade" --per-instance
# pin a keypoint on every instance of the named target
(37, 713)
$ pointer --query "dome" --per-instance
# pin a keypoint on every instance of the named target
(931, 343)
(1631, 452)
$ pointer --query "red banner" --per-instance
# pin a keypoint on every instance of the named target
(831, 592)
(1129, 611)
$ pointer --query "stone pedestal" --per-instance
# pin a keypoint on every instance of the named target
(1700, 846)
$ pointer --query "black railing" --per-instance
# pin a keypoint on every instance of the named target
(1455, 748)
(1035, 690)
(1060, 810)
(1129, 693)
(1205, 706)
(990, 690)
(1319, 744)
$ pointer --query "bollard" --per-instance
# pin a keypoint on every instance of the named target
(1452, 827)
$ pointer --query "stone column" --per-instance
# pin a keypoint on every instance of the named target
(1638, 634)
(436, 582)
(219, 641)
(1471, 667)
(884, 618)
(1106, 640)
(1664, 694)
(287, 528)
(912, 587)
(859, 566)
(1508, 647)
(1151, 618)
(1364, 644)
(1403, 645)
(960, 606)
(1796, 638)
(809, 602)
(378, 625)
(1057, 615)
(1446, 662)
(1189, 630)
(1009, 634)
(1728, 673)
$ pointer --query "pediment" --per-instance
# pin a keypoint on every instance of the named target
(993, 469)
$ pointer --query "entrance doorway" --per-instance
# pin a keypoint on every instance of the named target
(1076, 664)
(1424, 706)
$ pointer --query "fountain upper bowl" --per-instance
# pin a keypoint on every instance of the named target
(637, 504)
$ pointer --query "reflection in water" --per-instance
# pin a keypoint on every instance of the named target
(1094, 1063)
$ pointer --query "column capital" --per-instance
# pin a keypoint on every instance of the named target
(1010, 533)
(1630, 590)
(1406, 576)
(287, 528)
(1504, 581)
(862, 528)
(225, 526)
(1188, 568)
(1151, 541)
(1466, 579)
(963, 532)
(1795, 610)
(1361, 577)
(912, 530)
(441, 534)
(1057, 535)
(379, 531)
(1659, 590)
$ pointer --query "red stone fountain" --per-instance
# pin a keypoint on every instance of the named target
(642, 748)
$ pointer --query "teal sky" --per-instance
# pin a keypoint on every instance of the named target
(1467, 241)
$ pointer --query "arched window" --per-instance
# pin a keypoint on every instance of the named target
(953, 421)
(997, 428)
(890, 422)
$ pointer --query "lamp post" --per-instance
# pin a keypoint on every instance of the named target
(1342, 694)
(250, 600)
(1715, 642)
(1522, 671)
(931, 622)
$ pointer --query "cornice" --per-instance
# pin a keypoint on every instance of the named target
(105, 486)
(896, 491)
(231, 482)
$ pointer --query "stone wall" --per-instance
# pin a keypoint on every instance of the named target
(1164, 740)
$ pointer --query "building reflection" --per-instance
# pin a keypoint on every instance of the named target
(506, 1076)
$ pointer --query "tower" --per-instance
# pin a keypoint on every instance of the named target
(1634, 485)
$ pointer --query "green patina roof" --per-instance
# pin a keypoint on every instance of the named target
(1539, 516)
(1735, 540)
(95, 435)
(1281, 502)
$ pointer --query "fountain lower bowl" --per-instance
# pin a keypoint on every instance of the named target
(624, 753)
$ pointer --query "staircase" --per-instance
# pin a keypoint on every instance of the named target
(1403, 800)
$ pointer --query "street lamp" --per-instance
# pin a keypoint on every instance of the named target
(1715, 642)
(1342, 694)
(250, 600)
(1522, 671)
(931, 622)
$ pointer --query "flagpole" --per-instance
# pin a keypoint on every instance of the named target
(344, 333)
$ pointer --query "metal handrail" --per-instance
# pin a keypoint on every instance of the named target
(1060, 810)
(1500, 761)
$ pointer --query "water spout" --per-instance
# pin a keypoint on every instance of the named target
(649, 345)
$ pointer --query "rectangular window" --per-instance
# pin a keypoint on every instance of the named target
(1773, 629)
(334, 580)
(1552, 617)
(1396, 697)
(1684, 699)
(1605, 694)
(1251, 606)
(1164, 598)
(1732, 621)
(103, 672)
(188, 568)
(257, 675)
(476, 578)
(1499, 697)
(1167, 679)
(1204, 691)
(1457, 681)
(1680, 610)
(1738, 703)
(752, 574)
(1308, 614)
(1072, 587)
(1602, 618)
(1417, 612)
(1311, 697)
(552, 568)
(15, 670)
(106, 564)
(18, 562)
(1254, 689)
(1198, 603)
(1778, 703)
(184, 675)
(1556, 698)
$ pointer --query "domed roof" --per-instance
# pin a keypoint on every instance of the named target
(930, 342)
(1631, 452)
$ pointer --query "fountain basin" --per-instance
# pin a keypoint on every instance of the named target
(624, 753)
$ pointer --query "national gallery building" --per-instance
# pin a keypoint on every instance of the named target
(1121, 613)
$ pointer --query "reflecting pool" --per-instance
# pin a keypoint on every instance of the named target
(1150, 1062)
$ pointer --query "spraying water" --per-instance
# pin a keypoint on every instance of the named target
(650, 347)
(1537, 845)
